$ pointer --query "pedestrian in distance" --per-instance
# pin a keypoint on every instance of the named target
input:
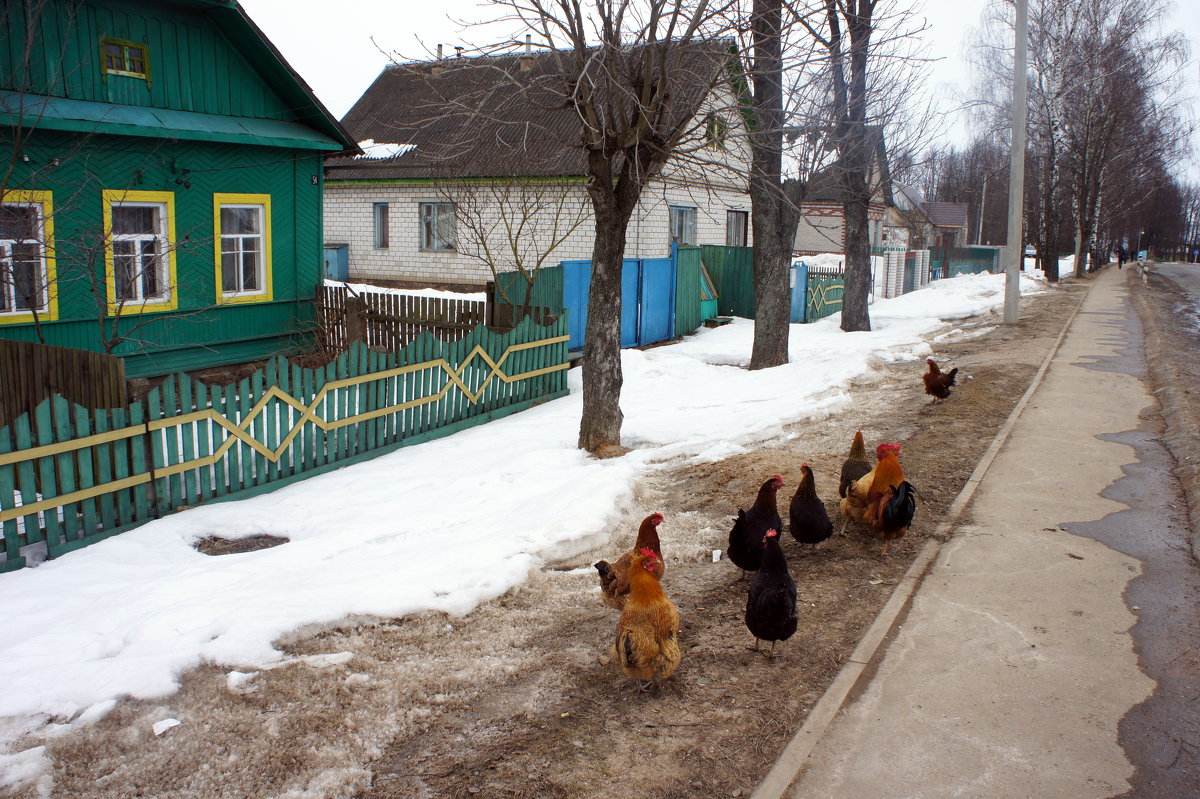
(1120, 257)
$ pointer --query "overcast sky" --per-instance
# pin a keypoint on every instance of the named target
(339, 49)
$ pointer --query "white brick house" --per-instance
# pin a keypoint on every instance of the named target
(465, 189)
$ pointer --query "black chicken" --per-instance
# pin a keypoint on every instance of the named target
(746, 537)
(771, 605)
(810, 520)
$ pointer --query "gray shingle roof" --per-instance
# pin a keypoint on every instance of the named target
(946, 214)
(494, 116)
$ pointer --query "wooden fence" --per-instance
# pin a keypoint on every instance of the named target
(389, 321)
(70, 476)
(824, 292)
(31, 372)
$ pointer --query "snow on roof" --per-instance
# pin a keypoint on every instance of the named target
(382, 150)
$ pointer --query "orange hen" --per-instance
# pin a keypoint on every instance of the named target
(647, 646)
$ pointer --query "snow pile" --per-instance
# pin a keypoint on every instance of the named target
(444, 525)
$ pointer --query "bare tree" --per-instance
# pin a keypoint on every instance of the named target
(1102, 109)
(517, 224)
(629, 71)
(873, 65)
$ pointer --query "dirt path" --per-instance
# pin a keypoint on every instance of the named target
(514, 701)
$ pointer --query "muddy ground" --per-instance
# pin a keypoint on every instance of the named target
(514, 699)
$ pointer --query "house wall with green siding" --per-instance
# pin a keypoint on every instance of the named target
(199, 333)
(224, 95)
(193, 66)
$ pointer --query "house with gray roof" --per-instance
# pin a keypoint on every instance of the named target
(471, 165)
(822, 227)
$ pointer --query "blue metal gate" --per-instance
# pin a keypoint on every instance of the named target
(647, 300)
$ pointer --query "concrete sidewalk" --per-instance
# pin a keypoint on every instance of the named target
(1013, 668)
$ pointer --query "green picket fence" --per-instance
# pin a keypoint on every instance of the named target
(70, 476)
(825, 292)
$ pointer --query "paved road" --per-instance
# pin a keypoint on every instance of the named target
(1186, 276)
(1053, 650)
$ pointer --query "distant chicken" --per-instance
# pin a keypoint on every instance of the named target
(810, 520)
(647, 645)
(937, 382)
(746, 537)
(855, 465)
(614, 577)
(882, 499)
(771, 604)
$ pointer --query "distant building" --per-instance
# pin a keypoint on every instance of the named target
(468, 160)
(822, 225)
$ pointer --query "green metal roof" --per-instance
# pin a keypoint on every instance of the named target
(57, 113)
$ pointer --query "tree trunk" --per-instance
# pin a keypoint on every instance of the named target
(856, 178)
(1048, 244)
(775, 207)
(855, 311)
(600, 424)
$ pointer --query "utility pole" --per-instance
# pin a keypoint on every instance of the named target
(1016, 175)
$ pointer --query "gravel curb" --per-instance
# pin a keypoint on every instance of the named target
(1182, 434)
(856, 674)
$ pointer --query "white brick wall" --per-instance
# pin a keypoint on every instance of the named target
(349, 220)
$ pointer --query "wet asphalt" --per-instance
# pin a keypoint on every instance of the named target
(1161, 735)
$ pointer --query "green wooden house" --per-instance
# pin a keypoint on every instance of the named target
(161, 176)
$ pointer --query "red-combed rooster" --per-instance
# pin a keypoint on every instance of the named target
(882, 499)
(614, 577)
(647, 645)
(937, 382)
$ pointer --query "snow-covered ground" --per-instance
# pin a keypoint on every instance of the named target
(444, 525)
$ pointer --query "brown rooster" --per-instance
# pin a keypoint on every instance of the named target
(614, 577)
(855, 465)
(937, 382)
(647, 646)
(882, 499)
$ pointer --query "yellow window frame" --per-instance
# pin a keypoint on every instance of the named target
(268, 283)
(46, 200)
(115, 306)
(125, 44)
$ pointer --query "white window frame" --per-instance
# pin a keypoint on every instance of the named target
(682, 223)
(256, 202)
(743, 222)
(159, 258)
(8, 284)
(438, 227)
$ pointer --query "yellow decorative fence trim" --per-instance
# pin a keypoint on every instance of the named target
(240, 431)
